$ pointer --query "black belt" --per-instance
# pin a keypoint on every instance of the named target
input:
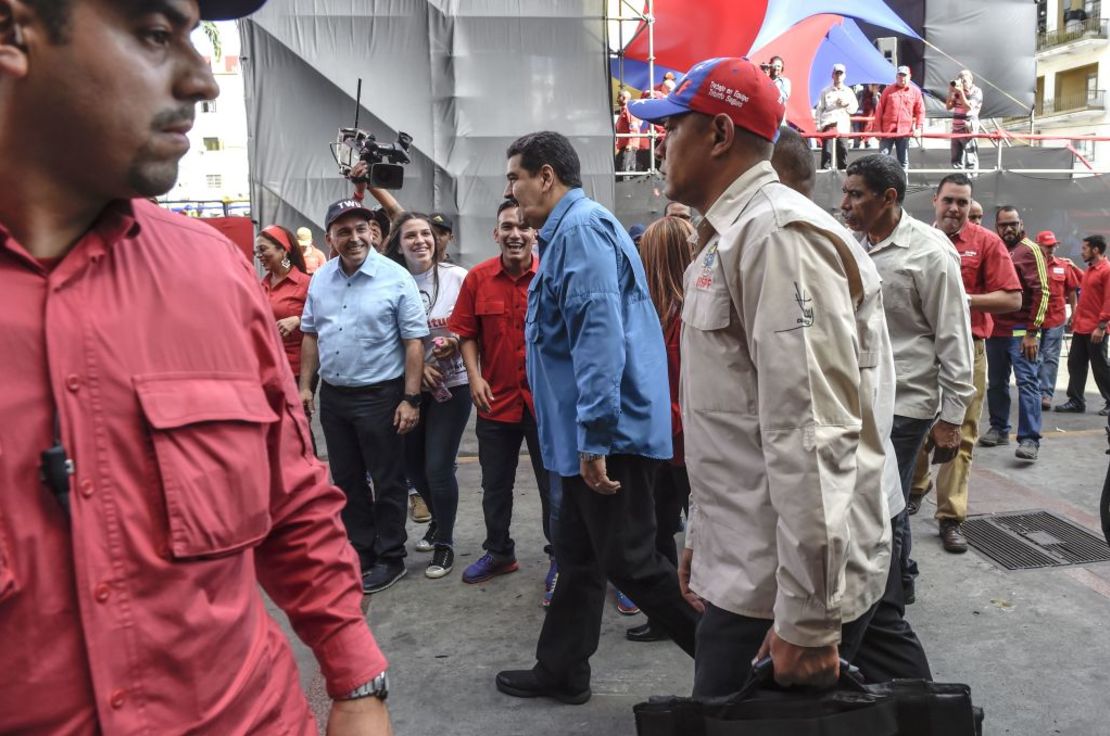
(364, 389)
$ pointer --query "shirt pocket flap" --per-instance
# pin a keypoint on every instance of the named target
(490, 308)
(209, 436)
(707, 311)
(175, 401)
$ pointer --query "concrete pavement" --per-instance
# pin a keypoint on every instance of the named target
(1032, 645)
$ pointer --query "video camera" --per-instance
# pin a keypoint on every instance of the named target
(354, 144)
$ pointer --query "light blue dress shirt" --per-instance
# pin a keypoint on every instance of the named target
(595, 355)
(361, 320)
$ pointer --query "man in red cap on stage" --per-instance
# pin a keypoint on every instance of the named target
(787, 394)
(900, 114)
(156, 469)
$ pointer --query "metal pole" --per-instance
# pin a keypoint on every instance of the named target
(651, 79)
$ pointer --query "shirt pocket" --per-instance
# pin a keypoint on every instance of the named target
(707, 310)
(209, 434)
(491, 309)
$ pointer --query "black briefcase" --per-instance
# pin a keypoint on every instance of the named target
(898, 708)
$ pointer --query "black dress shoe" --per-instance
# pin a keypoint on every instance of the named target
(1071, 407)
(646, 632)
(525, 684)
(382, 575)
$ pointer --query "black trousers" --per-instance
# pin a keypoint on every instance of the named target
(890, 648)
(727, 643)
(1082, 353)
(907, 435)
(499, 453)
(601, 538)
(826, 151)
(358, 427)
(672, 495)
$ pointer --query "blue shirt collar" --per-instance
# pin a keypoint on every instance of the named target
(369, 266)
(565, 203)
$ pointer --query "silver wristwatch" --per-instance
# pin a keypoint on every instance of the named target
(378, 688)
(589, 457)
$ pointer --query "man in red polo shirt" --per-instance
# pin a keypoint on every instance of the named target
(156, 469)
(489, 318)
(1062, 287)
(992, 287)
(1088, 326)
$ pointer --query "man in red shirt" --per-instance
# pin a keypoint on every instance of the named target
(992, 287)
(627, 148)
(1015, 342)
(489, 318)
(157, 472)
(1062, 286)
(1088, 327)
(900, 114)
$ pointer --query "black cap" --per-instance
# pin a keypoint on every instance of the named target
(345, 206)
(228, 9)
(443, 221)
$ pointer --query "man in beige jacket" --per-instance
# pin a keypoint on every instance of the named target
(786, 375)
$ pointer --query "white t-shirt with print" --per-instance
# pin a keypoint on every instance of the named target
(439, 301)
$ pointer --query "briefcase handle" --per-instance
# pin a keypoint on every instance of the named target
(762, 675)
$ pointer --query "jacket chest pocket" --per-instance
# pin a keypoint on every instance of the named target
(209, 435)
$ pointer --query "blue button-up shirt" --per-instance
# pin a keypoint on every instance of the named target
(361, 320)
(596, 361)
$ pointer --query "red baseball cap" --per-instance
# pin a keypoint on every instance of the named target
(1047, 237)
(728, 85)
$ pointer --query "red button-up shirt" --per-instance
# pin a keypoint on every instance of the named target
(287, 300)
(1062, 282)
(193, 483)
(1094, 299)
(900, 110)
(490, 309)
(986, 266)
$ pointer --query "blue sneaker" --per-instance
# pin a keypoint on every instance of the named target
(625, 606)
(549, 582)
(487, 566)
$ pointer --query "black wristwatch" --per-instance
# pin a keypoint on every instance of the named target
(413, 399)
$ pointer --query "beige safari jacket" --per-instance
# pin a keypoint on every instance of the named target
(787, 392)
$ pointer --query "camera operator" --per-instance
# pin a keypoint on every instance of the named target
(964, 100)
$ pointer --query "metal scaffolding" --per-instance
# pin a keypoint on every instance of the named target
(646, 18)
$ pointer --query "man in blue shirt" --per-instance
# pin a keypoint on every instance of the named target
(598, 371)
(363, 322)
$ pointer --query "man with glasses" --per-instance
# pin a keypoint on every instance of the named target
(1015, 341)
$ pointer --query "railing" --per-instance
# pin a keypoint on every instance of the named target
(1095, 100)
(208, 207)
(1073, 30)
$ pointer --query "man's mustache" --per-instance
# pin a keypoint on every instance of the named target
(168, 118)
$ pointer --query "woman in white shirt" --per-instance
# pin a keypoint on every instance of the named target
(431, 448)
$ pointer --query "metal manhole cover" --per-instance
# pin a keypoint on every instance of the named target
(1028, 540)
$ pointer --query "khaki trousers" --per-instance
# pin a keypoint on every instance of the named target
(952, 476)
